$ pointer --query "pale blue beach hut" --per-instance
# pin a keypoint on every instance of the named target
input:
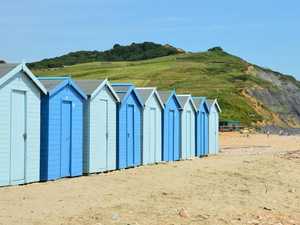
(152, 125)
(100, 126)
(20, 104)
(213, 126)
(187, 126)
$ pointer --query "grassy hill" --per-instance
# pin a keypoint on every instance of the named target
(246, 92)
(215, 74)
(133, 52)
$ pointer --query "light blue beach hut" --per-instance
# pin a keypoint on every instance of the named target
(129, 126)
(152, 125)
(100, 126)
(20, 103)
(187, 126)
(213, 126)
(201, 126)
(61, 129)
(171, 126)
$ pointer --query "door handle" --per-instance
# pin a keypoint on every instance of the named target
(128, 135)
(25, 136)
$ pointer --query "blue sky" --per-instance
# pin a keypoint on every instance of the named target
(263, 32)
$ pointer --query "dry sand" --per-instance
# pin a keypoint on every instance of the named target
(254, 180)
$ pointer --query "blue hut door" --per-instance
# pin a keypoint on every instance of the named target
(152, 142)
(171, 135)
(130, 135)
(188, 133)
(18, 136)
(65, 154)
(102, 156)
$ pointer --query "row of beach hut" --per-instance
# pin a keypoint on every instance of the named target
(54, 127)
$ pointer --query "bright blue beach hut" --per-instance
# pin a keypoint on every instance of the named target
(20, 103)
(187, 126)
(129, 126)
(100, 126)
(171, 126)
(201, 126)
(213, 126)
(61, 129)
(152, 125)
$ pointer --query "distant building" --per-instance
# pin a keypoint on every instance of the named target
(229, 125)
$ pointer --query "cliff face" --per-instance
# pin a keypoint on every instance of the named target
(282, 98)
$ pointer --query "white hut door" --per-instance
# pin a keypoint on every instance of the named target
(18, 136)
(152, 141)
(217, 132)
(102, 156)
(214, 132)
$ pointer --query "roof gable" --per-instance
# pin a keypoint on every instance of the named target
(146, 93)
(5, 68)
(55, 84)
(166, 97)
(200, 103)
(186, 99)
(93, 87)
(213, 102)
(124, 90)
(8, 71)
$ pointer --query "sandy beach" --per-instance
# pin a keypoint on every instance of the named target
(254, 180)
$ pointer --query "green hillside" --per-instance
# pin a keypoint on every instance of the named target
(133, 52)
(215, 74)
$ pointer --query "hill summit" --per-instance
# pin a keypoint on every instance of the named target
(133, 52)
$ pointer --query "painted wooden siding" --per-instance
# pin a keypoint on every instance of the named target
(217, 133)
(86, 135)
(188, 134)
(152, 131)
(52, 134)
(32, 156)
(202, 133)
(96, 158)
(129, 157)
(213, 131)
(170, 154)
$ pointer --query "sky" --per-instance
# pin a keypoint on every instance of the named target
(264, 32)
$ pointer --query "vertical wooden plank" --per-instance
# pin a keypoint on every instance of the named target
(66, 134)
(18, 137)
